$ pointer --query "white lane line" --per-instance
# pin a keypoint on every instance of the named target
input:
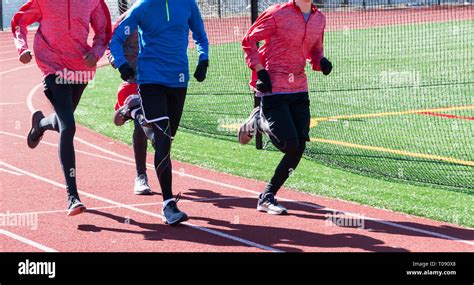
(27, 241)
(138, 210)
(29, 98)
(388, 223)
(10, 51)
(120, 207)
(10, 172)
(77, 150)
(16, 69)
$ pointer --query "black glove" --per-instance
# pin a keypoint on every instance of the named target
(264, 84)
(201, 70)
(326, 66)
(126, 72)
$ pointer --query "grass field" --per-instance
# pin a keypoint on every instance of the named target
(377, 71)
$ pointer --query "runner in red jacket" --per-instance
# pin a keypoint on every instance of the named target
(293, 34)
(68, 63)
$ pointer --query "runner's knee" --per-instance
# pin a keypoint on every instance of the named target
(161, 138)
(68, 128)
(139, 135)
(290, 146)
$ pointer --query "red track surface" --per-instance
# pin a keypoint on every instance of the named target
(221, 206)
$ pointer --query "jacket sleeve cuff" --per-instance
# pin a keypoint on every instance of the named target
(98, 51)
(253, 62)
(316, 66)
(119, 62)
(22, 50)
(21, 45)
(203, 57)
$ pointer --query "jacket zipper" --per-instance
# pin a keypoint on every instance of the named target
(305, 23)
(305, 28)
(69, 14)
(167, 11)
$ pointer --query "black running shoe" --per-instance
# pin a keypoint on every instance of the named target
(75, 206)
(123, 114)
(172, 215)
(35, 135)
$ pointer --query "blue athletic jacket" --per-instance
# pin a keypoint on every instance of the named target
(163, 30)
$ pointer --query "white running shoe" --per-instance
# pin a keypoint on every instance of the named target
(267, 203)
(141, 185)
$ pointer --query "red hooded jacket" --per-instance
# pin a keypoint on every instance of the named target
(61, 40)
(289, 43)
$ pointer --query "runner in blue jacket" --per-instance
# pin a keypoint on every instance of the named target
(162, 77)
(163, 27)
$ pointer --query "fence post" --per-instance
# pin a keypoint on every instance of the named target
(319, 3)
(253, 10)
(219, 8)
(1, 12)
(256, 100)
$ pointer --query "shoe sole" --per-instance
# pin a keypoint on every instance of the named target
(119, 120)
(268, 211)
(76, 211)
(244, 138)
(142, 192)
(36, 116)
(180, 220)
